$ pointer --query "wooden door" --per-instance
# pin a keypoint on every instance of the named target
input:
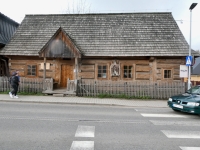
(66, 72)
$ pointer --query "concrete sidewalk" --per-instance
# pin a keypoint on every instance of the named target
(84, 100)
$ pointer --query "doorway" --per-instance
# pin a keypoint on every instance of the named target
(66, 72)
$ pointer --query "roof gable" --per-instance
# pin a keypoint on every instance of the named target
(60, 46)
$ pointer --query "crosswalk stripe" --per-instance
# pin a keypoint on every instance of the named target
(175, 123)
(82, 145)
(85, 131)
(182, 134)
(164, 115)
(190, 148)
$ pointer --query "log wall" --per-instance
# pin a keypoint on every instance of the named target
(53, 69)
(142, 70)
(172, 64)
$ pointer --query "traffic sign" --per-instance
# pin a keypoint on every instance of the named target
(188, 60)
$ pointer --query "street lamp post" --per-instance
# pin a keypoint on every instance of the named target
(189, 67)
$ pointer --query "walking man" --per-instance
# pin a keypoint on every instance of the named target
(14, 84)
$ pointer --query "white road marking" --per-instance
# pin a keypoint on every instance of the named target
(175, 123)
(85, 131)
(164, 115)
(82, 145)
(190, 148)
(182, 134)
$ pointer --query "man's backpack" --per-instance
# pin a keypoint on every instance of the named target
(13, 80)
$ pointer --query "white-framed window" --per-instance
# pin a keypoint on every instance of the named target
(102, 71)
(127, 71)
(31, 70)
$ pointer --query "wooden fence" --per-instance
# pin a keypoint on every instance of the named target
(139, 89)
(29, 85)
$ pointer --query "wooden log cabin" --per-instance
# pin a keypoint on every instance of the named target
(108, 47)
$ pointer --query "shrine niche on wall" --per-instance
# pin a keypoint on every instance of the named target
(115, 68)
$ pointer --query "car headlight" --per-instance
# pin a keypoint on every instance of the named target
(192, 104)
(170, 99)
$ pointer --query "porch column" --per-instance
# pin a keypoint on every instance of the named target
(44, 75)
(76, 68)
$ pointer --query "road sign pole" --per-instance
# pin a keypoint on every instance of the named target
(189, 67)
(189, 80)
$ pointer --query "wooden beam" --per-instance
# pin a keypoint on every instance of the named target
(76, 68)
(44, 75)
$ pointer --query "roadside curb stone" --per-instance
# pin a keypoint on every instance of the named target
(84, 100)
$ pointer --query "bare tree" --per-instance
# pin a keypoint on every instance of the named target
(78, 7)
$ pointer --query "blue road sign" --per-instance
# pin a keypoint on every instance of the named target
(188, 60)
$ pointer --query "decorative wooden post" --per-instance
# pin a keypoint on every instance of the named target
(76, 72)
(44, 75)
(76, 68)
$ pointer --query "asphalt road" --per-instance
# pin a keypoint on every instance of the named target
(34, 126)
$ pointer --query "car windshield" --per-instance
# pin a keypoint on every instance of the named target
(194, 90)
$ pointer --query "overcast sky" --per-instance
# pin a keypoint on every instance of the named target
(17, 9)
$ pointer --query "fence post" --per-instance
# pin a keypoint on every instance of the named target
(77, 89)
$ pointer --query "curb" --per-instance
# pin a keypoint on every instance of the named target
(87, 101)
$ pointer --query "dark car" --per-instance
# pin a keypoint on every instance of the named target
(187, 102)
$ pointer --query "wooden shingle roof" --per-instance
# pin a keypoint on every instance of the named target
(119, 34)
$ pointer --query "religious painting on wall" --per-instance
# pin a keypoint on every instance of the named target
(115, 68)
